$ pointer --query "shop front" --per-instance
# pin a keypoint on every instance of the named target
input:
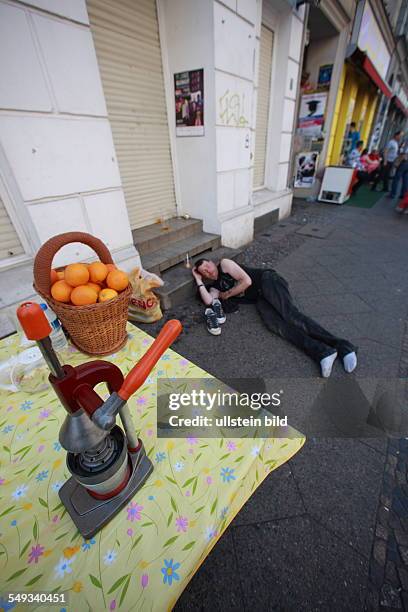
(326, 42)
(397, 116)
(362, 84)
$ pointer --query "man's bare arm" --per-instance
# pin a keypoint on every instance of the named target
(206, 297)
(243, 280)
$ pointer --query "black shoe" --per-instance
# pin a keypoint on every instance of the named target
(212, 323)
(217, 308)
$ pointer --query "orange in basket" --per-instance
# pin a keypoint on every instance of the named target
(76, 274)
(97, 272)
(83, 295)
(61, 291)
(117, 280)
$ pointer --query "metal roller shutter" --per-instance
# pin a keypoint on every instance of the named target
(10, 244)
(262, 106)
(126, 37)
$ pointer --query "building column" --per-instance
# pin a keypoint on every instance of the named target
(348, 100)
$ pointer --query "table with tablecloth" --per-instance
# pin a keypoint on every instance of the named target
(144, 558)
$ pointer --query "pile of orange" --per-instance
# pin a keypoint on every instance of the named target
(83, 284)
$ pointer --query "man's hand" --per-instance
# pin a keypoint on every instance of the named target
(196, 275)
(224, 295)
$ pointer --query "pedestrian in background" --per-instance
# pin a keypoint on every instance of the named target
(390, 156)
(353, 136)
(354, 157)
(401, 175)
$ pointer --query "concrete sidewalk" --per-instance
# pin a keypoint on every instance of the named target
(328, 530)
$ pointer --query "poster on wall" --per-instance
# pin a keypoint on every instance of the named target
(311, 114)
(306, 165)
(189, 102)
(325, 75)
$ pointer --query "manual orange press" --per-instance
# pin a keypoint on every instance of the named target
(108, 464)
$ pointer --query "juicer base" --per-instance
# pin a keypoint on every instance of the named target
(89, 514)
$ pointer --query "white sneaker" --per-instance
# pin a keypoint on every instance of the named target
(217, 308)
(212, 323)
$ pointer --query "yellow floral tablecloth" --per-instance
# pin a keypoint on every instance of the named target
(144, 558)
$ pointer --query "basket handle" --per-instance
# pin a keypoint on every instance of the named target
(47, 252)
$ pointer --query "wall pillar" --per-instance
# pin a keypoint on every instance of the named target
(348, 100)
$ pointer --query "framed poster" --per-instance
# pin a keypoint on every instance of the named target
(311, 114)
(189, 102)
(325, 75)
(306, 165)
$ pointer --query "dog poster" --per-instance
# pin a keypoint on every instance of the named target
(306, 166)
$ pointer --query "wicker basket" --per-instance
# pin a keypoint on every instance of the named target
(97, 329)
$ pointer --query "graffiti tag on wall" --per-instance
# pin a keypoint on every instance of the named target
(232, 109)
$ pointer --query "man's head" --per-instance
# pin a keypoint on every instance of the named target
(397, 135)
(353, 126)
(206, 268)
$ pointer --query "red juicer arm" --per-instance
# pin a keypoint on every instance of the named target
(142, 369)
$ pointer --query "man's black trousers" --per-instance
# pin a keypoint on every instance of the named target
(281, 316)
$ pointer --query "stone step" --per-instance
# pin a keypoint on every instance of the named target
(179, 283)
(158, 235)
(170, 255)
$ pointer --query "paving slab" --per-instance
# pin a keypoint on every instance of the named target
(315, 231)
(376, 359)
(283, 495)
(207, 589)
(392, 302)
(296, 565)
(338, 304)
(340, 487)
(380, 327)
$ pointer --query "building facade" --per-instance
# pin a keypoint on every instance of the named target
(328, 33)
(88, 137)
(355, 65)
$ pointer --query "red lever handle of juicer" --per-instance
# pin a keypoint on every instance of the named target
(142, 369)
(33, 321)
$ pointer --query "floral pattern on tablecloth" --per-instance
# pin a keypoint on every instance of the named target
(145, 557)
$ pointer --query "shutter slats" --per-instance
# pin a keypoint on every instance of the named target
(262, 107)
(10, 244)
(126, 37)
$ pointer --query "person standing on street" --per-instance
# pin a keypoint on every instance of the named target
(401, 175)
(390, 155)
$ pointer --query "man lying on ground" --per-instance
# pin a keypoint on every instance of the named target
(271, 294)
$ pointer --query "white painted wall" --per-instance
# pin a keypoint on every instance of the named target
(214, 172)
(288, 27)
(186, 26)
(235, 44)
(57, 155)
(285, 76)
